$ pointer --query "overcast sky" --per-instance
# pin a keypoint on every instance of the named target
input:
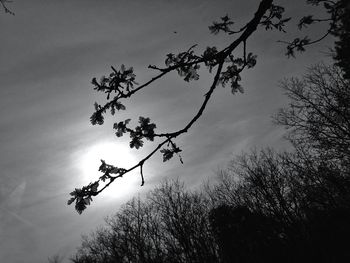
(50, 51)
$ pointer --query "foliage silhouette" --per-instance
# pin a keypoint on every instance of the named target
(225, 65)
(342, 31)
(338, 26)
(123, 85)
(334, 10)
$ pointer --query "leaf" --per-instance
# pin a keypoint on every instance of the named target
(305, 21)
(94, 187)
(87, 200)
(102, 167)
(104, 177)
(97, 118)
(119, 133)
(167, 154)
(136, 143)
(169, 60)
(70, 201)
(251, 60)
(94, 82)
(224, 26)
(240, 89)
(97, 106)
(80, 206)
(119, 106)
(236, 87)
(146, 129)
(112, 110)
(121, 127)
(225, 18)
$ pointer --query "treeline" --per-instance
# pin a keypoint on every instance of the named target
(266, 206)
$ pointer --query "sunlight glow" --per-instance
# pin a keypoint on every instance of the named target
(114, 154)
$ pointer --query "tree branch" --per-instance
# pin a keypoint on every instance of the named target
(185, 64)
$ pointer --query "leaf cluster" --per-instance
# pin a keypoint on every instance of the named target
(121, 83)
(274, 18)
(145, 129)
(169, 152)
(209, 57)
(108, 170)
(297, 45)
(233, 70)
(333, 9)
(184, 64)
(224, 25)
(83, 196)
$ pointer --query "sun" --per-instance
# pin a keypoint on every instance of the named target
(111, 153)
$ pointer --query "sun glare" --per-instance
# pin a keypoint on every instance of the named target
(114, 154)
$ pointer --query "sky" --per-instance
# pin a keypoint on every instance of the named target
(50, 51)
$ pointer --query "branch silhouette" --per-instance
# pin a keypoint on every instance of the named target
(333, 9)
(122, 84)
(4, 6)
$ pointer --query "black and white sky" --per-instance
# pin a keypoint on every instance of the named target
(50, 51)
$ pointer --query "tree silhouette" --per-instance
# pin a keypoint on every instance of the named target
(280, 207)
(318, 115)
(342, 31)
(246, 236)
(225, 65)
(171, 225)
(305, 193)
(174, 225)
(121, 84)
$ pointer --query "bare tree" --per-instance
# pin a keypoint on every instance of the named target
(318, 115)
(293, 206)
(171, 225)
